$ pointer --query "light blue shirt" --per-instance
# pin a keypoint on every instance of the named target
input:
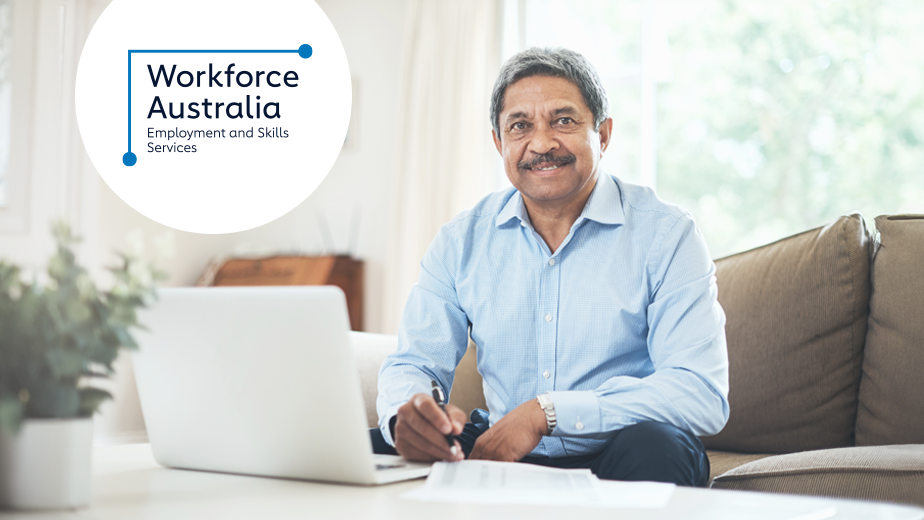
(620, 325)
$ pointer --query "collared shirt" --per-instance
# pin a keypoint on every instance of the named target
(620, 325)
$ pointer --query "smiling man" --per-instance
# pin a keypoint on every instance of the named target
(592, 302)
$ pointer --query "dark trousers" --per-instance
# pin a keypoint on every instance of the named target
(649, 451)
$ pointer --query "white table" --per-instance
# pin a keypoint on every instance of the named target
(129, 484)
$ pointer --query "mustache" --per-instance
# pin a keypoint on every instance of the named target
(560, 160)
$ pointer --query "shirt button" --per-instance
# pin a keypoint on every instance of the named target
(548, 317)
(551, 261)
(546, 374)
(579, 425)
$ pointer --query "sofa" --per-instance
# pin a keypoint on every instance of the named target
(826, 364)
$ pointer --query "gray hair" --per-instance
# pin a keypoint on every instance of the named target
(556, 62)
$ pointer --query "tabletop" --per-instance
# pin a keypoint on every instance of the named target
(128, 483)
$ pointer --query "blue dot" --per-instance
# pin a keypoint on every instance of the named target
(129, 159)
(304, 51)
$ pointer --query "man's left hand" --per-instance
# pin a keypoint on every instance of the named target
(514, 436)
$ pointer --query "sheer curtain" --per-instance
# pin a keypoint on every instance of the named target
(447, 161)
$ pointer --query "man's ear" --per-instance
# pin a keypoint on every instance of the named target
(497, 142)
(605, 132)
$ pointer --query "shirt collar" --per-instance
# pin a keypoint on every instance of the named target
(513, 208)
(603, 206)
(605, 202)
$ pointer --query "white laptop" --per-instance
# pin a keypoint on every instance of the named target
(258, 381)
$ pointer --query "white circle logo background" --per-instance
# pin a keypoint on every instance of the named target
(228, 184)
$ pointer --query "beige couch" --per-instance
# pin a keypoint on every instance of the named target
(826, 349)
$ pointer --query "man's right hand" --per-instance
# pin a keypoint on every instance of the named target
(421, 429)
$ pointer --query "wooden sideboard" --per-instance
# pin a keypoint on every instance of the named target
(343, 271)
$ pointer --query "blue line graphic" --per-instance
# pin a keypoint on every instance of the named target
(129, 159)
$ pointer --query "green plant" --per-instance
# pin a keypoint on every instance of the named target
(56, 338)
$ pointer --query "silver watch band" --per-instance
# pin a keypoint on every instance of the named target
(545, 402)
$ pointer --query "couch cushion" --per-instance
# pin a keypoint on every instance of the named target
(796, 324)
(891, 391)
(888, 473)
(723, 461)
(467, 390)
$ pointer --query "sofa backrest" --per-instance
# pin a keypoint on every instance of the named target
(891, 409)
(796, 324)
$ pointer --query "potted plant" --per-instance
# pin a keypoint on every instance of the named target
(55, 340)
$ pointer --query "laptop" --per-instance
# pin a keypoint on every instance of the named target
(257, 381)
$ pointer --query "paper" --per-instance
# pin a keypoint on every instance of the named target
(636, 495)
(488, 482)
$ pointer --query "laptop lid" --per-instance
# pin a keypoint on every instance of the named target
(254, 380)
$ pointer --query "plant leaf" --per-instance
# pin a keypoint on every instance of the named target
(65, 363)
(90, 399)
(52, 399)
(125, 338)
(11, 411)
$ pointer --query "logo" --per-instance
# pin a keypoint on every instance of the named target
(209, 118)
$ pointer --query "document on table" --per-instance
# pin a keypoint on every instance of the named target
(489, 482)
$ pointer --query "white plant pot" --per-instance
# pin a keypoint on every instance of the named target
(47, 465)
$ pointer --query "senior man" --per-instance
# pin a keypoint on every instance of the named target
(592, 302)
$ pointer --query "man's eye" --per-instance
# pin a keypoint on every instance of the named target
(565, 121)
(518, 126)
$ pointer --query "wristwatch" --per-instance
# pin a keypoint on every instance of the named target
(545, 402)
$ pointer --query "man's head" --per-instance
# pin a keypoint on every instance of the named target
(557, 63)
(551, 126)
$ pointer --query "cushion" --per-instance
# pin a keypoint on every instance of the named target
(891, 407)
(467, 391)
(723, 461)
(887, 473)
(796, 325)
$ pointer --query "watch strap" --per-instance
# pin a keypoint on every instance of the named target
(545, 402)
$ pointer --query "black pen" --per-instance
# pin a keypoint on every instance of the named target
(441, 400)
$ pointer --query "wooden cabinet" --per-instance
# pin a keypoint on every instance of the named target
(343, 271)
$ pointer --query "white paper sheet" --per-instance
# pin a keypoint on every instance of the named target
(488, 482)
(636, 495)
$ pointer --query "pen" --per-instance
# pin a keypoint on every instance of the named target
(441, 400)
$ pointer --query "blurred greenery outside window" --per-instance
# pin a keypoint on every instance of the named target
(762, 119)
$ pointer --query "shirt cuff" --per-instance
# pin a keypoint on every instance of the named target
(383, 424)
(577, 413)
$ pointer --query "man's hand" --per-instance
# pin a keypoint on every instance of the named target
(421, 429)
(514, 436)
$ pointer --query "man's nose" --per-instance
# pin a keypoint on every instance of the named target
(543, 140)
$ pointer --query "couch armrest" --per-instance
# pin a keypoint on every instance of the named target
(369, 350)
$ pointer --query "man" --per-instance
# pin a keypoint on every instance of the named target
(592, 302)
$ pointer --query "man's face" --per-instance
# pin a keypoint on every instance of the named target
(548, 142)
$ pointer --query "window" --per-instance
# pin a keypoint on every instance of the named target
(762, 119)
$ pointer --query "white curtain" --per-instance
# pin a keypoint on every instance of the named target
(447, 161)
